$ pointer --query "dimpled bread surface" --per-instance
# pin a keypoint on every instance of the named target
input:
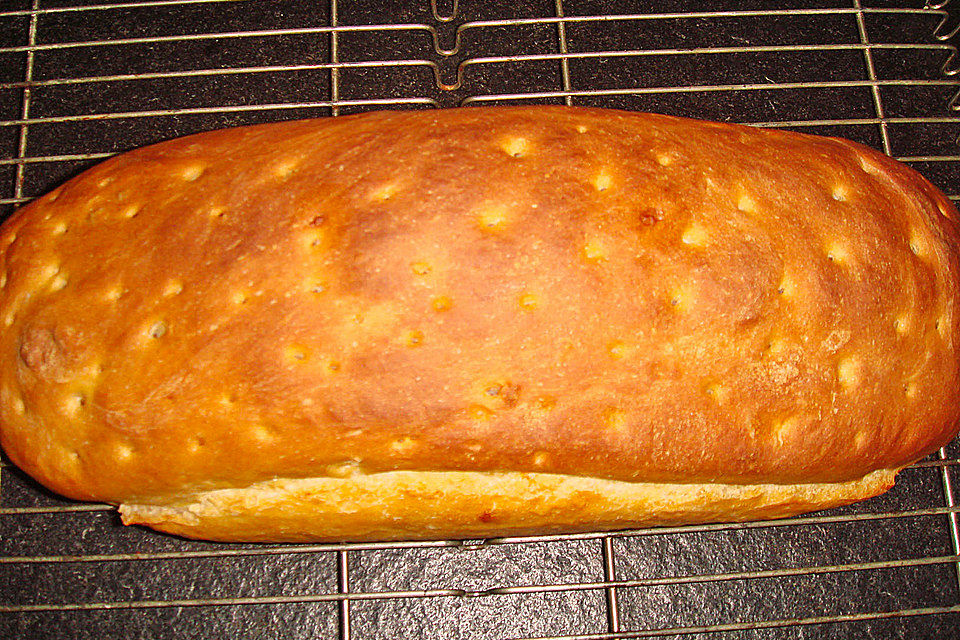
(474, 322)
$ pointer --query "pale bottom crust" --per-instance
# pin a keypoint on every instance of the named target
(408, 505)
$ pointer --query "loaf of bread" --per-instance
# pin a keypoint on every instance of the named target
(475, 322)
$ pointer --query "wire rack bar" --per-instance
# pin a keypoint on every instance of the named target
(334, 62)
(838, 122)
(25, 106)
(930, 10)
(220, 35)
(872, 75)
(343, 588)
(104, 155)
(660, 90)
(221, 602)
(939, 33)
(444, 17)
(564, 57)
(610, 591)
(688, 15)
(477, 545)
(757, 524)
(755, 626)
(67, 508)
(720, 577)
(234, 71)
(943, 462)
(344, 595)
(707, 88)
(564, 61)
(928, 158)
(118, 115)
(472, 25)
(35, 11)
(230, 552)
(64, 157)
(343, 559)
(207, 554)
(950, 501)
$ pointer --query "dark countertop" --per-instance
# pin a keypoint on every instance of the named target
(80, 81)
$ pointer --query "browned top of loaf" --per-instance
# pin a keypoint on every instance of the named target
(557, 290)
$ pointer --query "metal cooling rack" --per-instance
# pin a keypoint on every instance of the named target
(80, 82)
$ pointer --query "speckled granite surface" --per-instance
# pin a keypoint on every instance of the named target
(109, 76)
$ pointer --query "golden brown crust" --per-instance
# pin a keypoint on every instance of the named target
(574, 292)
(429, 505)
